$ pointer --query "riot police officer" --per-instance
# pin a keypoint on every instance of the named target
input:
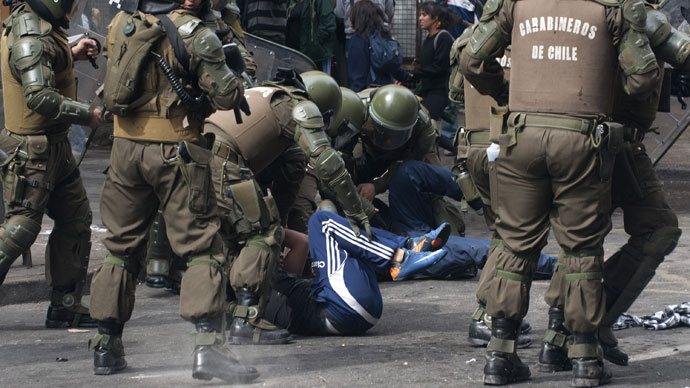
(157, 162)
(552, 120)
(637, 190)
(40, 176)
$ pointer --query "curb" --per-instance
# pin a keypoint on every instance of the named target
(31, 289)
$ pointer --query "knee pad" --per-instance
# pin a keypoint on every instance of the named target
(662, 242)
(78, 225)
(16, 236)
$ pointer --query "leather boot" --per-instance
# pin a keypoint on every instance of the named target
(66, 310)
(212, 358)
(588, 366)
(480, 332)
(248, 328)
(503, 366)
(108, 351)
(609, 344)
(554, 350)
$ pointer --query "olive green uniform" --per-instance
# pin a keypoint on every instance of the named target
(147, 171)
(637, 189)
(40, 176)
(547, 172)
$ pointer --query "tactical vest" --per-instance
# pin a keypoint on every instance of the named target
(563, 59)
(478, 106)
(163, 118)
(259, 138)
(18, 117)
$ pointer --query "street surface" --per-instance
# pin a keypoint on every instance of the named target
(419, 342)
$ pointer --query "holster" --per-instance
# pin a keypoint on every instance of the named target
(501, 128)
(612, 138)
(194, 164)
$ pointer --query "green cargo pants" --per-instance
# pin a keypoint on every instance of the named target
(142, 177)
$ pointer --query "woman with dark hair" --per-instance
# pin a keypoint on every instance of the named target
(434, 58)
(366, 18)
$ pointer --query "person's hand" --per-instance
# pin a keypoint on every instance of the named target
(357, 219)
(85, 49)
(367, 191)
(96, 119)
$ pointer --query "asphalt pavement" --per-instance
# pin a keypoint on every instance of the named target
(419, 342)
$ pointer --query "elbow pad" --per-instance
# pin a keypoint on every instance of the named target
(669, 44)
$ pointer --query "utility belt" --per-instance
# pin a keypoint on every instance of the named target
(52, 137)
(478, 138)
(606, 136)
(225, 152)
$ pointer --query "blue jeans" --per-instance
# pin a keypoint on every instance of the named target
(411, 215)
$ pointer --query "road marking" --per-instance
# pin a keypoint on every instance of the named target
(661, 353)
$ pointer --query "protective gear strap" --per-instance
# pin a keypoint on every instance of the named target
(501, 345)
(512, 276)
(583, 351)
(246, 312)
(583, 276)
(555, 338)
(111, 259)
(478, 313)
(205, 261)
(204, 339)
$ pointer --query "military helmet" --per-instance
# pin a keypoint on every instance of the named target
(394, 110)
(325, 93)
(54, 11)
(352, 114)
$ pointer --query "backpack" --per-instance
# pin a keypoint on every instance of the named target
(133, 36)
(385, 53)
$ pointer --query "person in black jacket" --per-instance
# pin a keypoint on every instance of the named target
(434, 58)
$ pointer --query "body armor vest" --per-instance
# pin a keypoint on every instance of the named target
(478, 106)
(563, 59)
(18, 117)
(259, 138)
(163, 118)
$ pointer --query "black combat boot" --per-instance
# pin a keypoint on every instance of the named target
(588, 366)
(609, 344)
(248, 328)
(212, 358)
(108, 351)
(66, 310)
(503, 366)
(480, 330)
(554, 351)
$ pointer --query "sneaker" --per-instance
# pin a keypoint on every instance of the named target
(431, 241)
(414, 262)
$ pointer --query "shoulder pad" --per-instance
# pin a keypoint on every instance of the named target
(207, 46)
(29, 23)
(460, 44)
(658, 27)
(307, 115)
(490, 9)
(187, 28)
(634, 12)
(26, 52)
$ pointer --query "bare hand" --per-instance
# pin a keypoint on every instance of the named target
(85, 49)
(367, 191)
(95, 119)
